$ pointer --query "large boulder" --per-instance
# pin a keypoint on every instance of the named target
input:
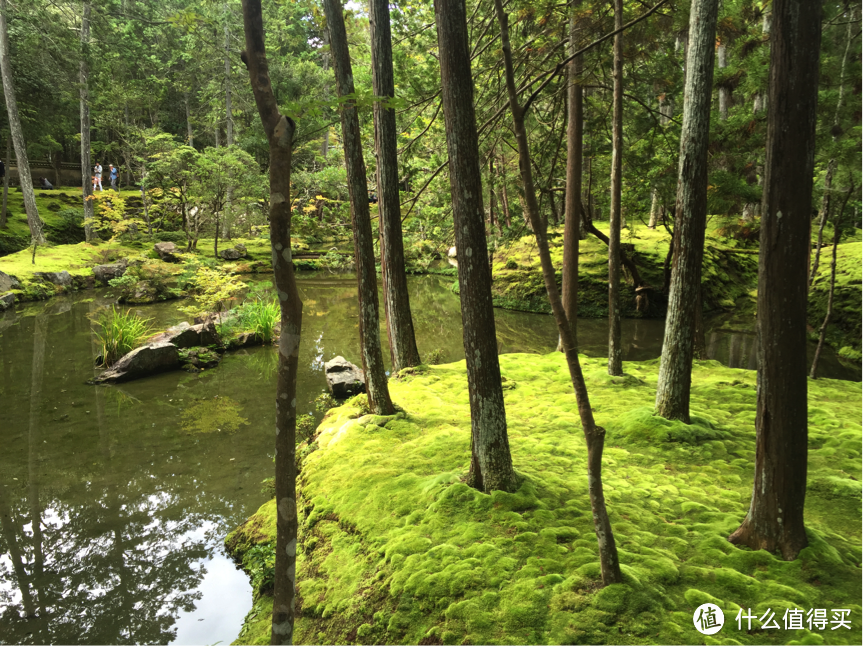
(229, 254)
(143, 292)
(6, 301)
(59, 278)
(141, 362)
(344, 379)
(104, 273)
(8, 282)
(241, 249)
(167, 251)
(184, 335)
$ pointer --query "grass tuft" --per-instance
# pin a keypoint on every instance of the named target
(119, 332)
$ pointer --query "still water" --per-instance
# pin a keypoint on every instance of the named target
(114, 500)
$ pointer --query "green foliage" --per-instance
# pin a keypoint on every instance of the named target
(260, 563)
(325, 402)
(119, 332)
(434, 357)
(306, 426)
(259, 317)
(335, 261)
(212, 289)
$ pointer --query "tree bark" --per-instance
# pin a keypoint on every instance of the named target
(615, 359)
(654, 209)
(229, 117)
(491, 462)
(690, 217)
(8, 161)
(400, 327)
(572, 206)
(594, 435)
(504, 198)
(126, 152)
(724, 91)
(364, 257)
(84, 96)
(22, 162)
(775, 518)
(190, 134)
(280, 133)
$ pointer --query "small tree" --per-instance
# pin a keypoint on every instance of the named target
(174, 169)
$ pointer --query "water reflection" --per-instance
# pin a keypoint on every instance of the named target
(114, 500)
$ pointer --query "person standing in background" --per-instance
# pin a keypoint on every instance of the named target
(112, 175)
(97, 177)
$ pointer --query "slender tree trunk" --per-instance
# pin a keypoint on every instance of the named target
(325, 62)
(837, 234)
(144, 202)
(229, 117)
(126, 153)
(400, 327)
(504, 198)
(615, 359)
(594, 435)
(216, 136)
(654, 209)
(572, 205)
(84, 94)
(190, 134)
(364, 257)
(724, 91)
(491, 202)
(8, 161)
(491, 462)
(280, 133)
(690, 215)
(22, 162)
(775, 518)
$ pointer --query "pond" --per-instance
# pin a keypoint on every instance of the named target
(114, 500)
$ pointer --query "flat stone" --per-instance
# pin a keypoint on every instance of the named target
(61, 278)
(147, 360)
(166, 251)
(8, 282)
(6, 301)
(344, 379)
(104, 273)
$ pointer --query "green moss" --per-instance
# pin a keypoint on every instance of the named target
(844, 330)
(395, 543)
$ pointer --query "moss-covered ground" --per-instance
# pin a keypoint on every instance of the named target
(396, 549)
(729, 272)
(844, 332)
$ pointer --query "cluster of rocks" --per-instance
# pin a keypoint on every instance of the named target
(7, 283)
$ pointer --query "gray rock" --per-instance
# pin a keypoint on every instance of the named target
(207, 334)
(143, 293)
(104, 273)
(166, 251)
(452, 253)
(241, 248)
(184, 335)
(229, 254)
(6, 301)
(141, 362)
(344, 379)
(8, 282)
(61, 278)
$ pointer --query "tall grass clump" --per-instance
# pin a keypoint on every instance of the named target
(120, 332)
(260, 317)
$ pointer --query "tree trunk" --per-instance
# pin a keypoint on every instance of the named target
(325, 62)
(654, 209)
(724, 91)
(229, 117)
(190, 134)
(775, 518)
(144, 202)
(400, 328)
(594, 435)
(491, 462)
(8, 161)
(615, 360)
(492, 221)
(22, 162)
(572, 205)
(364, 257)
(690, 217)
(280, 133)
(504, 198)
(126, 152)
(84, 94)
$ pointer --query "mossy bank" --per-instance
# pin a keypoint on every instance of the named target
(396, 549)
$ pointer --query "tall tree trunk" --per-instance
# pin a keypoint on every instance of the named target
(775, 518)
(325, 62)
(364, 256)
(724, 91)
(84, 96)
(217, 133)
(229, 117)
(8, 161)
(397, 308)
(22, 162)
(491, 202)
(280, 133)
(615, 359)
(690, 217)
(654, 209)
(126, 153)
(491, 462)
(190, 134)
(504, 197)
(594, 435)
(572, 205)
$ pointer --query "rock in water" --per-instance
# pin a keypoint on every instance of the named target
(61, 278)
(6, 301)
(184, 335)
(344, 379)
(8, 282)
(166, 251)
(141, 362)
(104, 273)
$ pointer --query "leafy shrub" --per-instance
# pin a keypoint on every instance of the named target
(434, 357)
(325, 402)
(335, 261)
(260, 563)
(305, 428)
(511, 264)
(177, 237)
(120, 333)
(211, 288)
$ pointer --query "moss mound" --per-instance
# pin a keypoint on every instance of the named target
(729, 274)
(844, 332)
(396, 549)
